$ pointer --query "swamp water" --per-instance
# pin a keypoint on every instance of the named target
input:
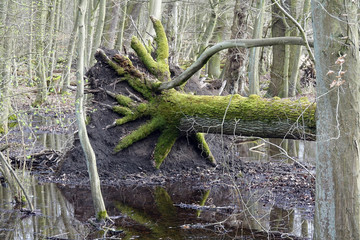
(175, 211)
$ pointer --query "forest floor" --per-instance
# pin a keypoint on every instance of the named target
(290, 184)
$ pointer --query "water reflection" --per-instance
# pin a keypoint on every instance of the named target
(182, 211)
(54, 218)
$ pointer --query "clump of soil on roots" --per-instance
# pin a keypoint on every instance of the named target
(184, 156)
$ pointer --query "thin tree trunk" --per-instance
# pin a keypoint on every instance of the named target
(254, 58)
(120, 36)
(30, 49)
(109, 36)
(65, 80)
(99, 30)
(89, 31)
(293, 80)
(98, 201)
(40, 48)
(172, 28)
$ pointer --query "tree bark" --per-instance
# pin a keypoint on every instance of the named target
(337, 206)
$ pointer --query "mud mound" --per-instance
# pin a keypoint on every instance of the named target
(136, 158)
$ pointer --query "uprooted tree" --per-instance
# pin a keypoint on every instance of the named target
(173, 112)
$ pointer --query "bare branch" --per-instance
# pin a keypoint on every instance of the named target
(246, 43)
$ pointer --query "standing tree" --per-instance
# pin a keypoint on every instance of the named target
(336, 35)
(235, 67)
(99, 30)
(99, 205)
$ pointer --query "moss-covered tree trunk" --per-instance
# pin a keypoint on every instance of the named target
(174, 113)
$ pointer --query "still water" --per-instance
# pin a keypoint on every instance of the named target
(180, 210)
(176, 211)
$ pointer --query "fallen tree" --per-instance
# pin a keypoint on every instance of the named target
(174, 113)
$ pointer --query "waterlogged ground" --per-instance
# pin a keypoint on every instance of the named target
(257, 192)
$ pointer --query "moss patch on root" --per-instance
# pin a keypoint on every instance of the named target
(204, 147)
(164, 144)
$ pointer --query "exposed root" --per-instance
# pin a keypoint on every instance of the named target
(204, 147)
(164, 144)
(140, 133)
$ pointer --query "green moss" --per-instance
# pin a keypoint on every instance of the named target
(122, 110)
(203, 201)
(142, 108)
(204, 147)
(149, 47)
(137, 216)
(141, 87)
(123, 100)
(160, 68)
(164, 203)
(144, 55)
(164, 144)
(118, 69)
(12, 121)
(101, 215)
(162, 51)
(87, 120)
(141, 133)
(127, 118)
(253, 108)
